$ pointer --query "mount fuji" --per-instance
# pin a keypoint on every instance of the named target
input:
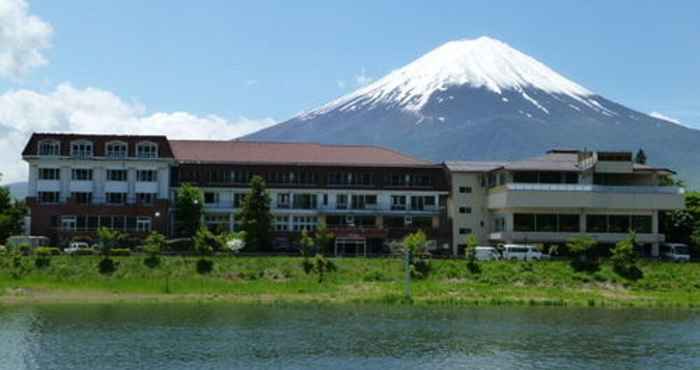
(483, 100)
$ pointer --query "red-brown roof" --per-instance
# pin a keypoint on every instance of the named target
(208, 151)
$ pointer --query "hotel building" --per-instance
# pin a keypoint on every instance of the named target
(367, 195)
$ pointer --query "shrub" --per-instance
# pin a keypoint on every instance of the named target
(307, 265)
(42, 261)
(120, 252)
(205, 242)
(421, 268)
(375, 275)
(470, 253)
(624, 258)
(322, 265)
(25, 249)
(582, 248)
(107, 266)
(154, 243)
(204, 266)
(47, 251)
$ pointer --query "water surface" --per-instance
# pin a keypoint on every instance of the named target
(225, 336)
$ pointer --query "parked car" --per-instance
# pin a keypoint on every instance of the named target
(675, 252)
(522, 253)
(483, 253)
(75, 247)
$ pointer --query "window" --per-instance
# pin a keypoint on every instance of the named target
(147, 150)
(283, 200)
(465, 230)
(217, 222)
(146, 176)
(238, 199)
(596, 223)
(281, 223)
(618, 223)
(49, 174)
(550, 177)
(546, 222)
(420, 203)
(569, 223)
(82, 197)
(143, 224)
(145, 198)
(81, 149)
(465, 210)
(571, 178)
(363, 201)
(305, 201)
(641, 224)
(523, 222)
(116, 175)
(341, 201)
(69, 223)
(49, 148)
(115, 198)
(119, 222)
(325, 199)
(116, 150)
(211, 198)
(48, 197)
(499, 224)
(398, 202)
(300, 223)
(82, 174)
(465, 189)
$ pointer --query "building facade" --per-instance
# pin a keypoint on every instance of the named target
(366, 195)
(565, 193)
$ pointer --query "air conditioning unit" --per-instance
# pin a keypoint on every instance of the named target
(349, 220)
(408, 220)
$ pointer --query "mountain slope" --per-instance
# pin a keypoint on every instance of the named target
(482, 99)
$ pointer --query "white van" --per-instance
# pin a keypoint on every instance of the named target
(675, 252)
(522, 253)
(486, 254)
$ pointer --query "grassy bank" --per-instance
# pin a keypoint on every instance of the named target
(357, 280)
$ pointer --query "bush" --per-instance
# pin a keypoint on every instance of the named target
(307, 265)
(624, 258)
(121, 252)
(151, 261)
(42, 261)
(107, 266)
(375, 275)
(582, 249)
(204, 266)
(47, 251)
(421, 268)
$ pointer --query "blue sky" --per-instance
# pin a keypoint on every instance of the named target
(259, 61)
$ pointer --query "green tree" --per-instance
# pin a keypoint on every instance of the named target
(624, 258)
(153, 245)
(256, 219)
(640, 157)
(189, 205)
(12, 214)
(582, 249)
(307, 244)
(324, 237)
(108, 239)
(205, 243)
(470, 252)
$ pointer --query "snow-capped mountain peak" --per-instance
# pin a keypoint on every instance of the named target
(482, 63)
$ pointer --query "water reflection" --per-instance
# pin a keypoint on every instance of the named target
(222, 336)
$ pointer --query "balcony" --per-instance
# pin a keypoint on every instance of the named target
(562, 237)
(520, 195)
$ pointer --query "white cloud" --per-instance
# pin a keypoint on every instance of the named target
(362, 78)
(23, 37)
(665, 118)
(91, 110)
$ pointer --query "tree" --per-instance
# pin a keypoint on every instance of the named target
(624, 258)
(108, 240)
(417, 254)
(307, 244)
(640, 157)
(154, 244)
(470, 252)
(582, 249)
(256, 219)
(234, 242)
(12, 214)
(189, 204)
(205, 243)
(324, 237)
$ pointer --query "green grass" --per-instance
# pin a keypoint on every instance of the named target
(276, 279)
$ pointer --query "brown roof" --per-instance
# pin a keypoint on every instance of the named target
(208, 151)
(99, 141)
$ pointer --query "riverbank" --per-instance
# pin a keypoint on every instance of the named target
(357, 280)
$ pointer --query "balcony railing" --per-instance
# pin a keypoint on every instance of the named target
(595, 188)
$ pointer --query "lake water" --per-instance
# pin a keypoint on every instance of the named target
(222, 336)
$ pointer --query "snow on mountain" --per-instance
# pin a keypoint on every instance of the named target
(482, 62)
